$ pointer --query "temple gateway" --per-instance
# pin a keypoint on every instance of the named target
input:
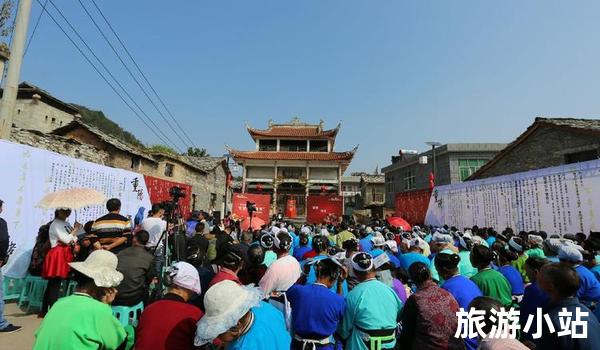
(291, 162)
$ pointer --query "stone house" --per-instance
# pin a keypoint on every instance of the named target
(120, 154)
(210, 192)
(59, 144)
(350, 192)
(36, 109)
(546, 143)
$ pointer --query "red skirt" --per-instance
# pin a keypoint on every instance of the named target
(56, 262)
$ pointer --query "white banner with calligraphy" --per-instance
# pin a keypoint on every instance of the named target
(29, 173)
(562, 199)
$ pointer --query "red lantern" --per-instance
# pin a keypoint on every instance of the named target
(323, 188)
(259, 187)
(431, 181)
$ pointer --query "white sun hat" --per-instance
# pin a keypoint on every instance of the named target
(185, 276)
(225, 303)
(101, 266)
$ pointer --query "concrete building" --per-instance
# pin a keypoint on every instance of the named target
(455, 162)
(350, 192)
(547, 142)
(292, 161)
(38, 110)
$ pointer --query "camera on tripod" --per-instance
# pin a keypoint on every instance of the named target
(171, 207)
(251, 207)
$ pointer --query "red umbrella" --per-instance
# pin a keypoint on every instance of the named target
(257, 223)
(399, 222)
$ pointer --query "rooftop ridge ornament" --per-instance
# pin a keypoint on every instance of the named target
(296, 121)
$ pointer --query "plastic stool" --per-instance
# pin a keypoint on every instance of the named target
(26, 290)
(67, 288)
(12, 287)
(36, 295)
(128, 315)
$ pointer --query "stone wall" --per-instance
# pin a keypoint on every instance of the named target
(37, 115)
(60, 145)
(545, 147)
(212, 183)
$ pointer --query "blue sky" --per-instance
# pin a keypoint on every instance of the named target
(395, 73)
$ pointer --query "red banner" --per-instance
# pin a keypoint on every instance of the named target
(262, 201)
(158, 190)
(412, 206)
(324, 208)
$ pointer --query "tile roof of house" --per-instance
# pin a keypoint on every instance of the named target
(373, 179)
(272, 155)
(295, 128)
(206, 163)
(588, 126)
(113, 141)
(27, 90)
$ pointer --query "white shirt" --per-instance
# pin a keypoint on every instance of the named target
(155, 227)
(60, 231)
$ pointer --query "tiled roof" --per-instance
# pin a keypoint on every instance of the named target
(576, 123)
(205, 163)
(295, 128)
(373, 179)
(113, 141)
(27, 90)
(269, 155)
(293, 131)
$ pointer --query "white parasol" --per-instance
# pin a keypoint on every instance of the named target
(74, 198)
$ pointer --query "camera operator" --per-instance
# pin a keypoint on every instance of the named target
(154, 225)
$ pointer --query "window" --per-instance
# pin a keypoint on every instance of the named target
(193, 201)
(582, 156)
(267, 145)
(466, 167)
(410, 181)
(135, 162)
(318, 146)
(53, 120)
(377, 197)
(292, 145)
(213, 200)
(291, 173)
(169, 169)
(18, 111)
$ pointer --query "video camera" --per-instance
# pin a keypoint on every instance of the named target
(171, 207)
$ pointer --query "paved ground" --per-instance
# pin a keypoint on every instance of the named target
(23, 339)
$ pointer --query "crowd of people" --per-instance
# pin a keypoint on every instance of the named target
(325, 286)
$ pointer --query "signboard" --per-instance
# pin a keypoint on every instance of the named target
(262, 201)
(158, 189)
(412, 206)
(324, 208)
(562, 199)
(29, 173)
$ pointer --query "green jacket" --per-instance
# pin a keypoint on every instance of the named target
(79, 322)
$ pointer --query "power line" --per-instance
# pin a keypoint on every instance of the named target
(171, 143)
(37, 23)
(103, 76)
(141, 72)
(129, 71)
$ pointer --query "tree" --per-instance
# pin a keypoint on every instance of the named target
(5, 24)
(161, 149)
(196, 152)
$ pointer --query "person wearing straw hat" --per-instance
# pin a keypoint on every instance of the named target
(170, 323)
(372, 310)
(236, 316)
(84, 320)
(56, 263)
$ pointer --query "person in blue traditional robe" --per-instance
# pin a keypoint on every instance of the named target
(316, 310)
(372, 310)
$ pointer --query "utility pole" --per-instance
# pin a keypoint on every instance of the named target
(11, 87)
